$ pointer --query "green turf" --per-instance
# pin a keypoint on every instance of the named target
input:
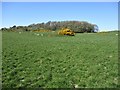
(52, 61)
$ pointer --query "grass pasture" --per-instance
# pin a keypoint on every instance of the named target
(50, 61)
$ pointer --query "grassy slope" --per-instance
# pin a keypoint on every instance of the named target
(86, 60)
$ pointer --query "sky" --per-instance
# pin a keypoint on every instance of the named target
(104, 14)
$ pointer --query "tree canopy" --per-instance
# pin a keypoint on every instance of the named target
(76, 26)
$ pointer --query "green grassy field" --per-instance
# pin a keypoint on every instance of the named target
(52, 61)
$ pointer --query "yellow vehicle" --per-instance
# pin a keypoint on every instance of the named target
(66, 32)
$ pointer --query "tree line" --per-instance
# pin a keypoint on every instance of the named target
(76, 26)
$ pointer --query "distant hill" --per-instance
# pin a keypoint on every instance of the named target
(76, 26)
